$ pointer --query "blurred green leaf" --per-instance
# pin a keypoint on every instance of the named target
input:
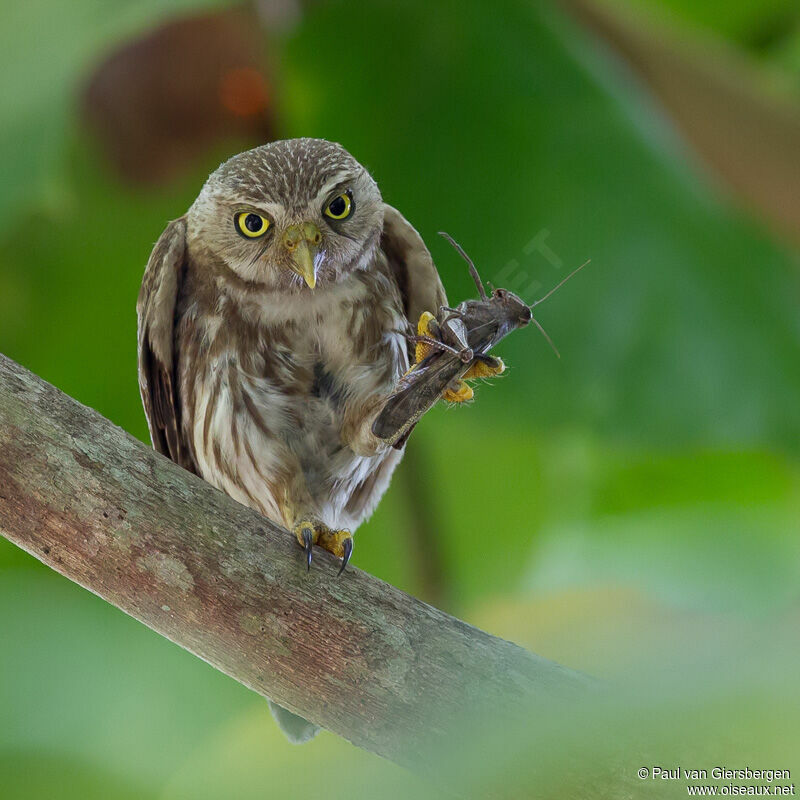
(703, 528)
(79, 679)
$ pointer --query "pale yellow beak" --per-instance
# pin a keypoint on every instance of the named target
(302, 242)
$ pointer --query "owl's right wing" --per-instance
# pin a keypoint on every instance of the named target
(411, 265)
(156, 310)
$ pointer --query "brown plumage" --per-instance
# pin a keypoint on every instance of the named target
(272, 327)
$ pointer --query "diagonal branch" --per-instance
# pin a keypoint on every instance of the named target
(354, 654)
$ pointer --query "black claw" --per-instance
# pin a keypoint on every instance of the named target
(347, 546)
(308, 539)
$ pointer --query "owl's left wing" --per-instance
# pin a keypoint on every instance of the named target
(157, 369)
(411, 266)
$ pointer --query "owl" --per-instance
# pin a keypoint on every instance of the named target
(273, 323)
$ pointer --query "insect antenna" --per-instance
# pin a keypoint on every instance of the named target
(472, 269)
(559, 285)
(544, 333)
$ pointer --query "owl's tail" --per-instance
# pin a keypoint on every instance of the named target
(296, 729)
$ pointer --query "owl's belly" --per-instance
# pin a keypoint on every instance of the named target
(269, 441)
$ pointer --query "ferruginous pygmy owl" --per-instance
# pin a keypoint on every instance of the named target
(273, 323)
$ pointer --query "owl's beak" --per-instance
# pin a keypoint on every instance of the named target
(302, 242)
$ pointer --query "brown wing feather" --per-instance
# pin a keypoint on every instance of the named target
(157, 374)
(411, 266)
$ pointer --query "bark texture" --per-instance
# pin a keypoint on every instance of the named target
(353, 654)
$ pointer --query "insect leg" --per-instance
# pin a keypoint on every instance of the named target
(451, 313)
(436, 344)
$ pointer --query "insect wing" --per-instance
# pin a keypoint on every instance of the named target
(457, 332)
(417, 393)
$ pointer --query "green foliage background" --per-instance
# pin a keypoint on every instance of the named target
(631, 510)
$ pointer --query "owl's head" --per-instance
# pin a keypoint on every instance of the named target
(289, 215)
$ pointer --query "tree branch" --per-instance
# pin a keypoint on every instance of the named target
(353, 654)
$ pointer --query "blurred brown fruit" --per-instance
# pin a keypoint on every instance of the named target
(157, 104)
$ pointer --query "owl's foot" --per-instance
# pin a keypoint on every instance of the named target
(427, 328)
(339, 543)
(427, 336)
(485, 367)
(460, 393)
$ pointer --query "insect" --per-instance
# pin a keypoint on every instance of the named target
(455, 344)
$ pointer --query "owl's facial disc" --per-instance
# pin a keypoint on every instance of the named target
(288, 216)
(302, 242)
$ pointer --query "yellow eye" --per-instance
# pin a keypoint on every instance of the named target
(251, 225)
(340, 207)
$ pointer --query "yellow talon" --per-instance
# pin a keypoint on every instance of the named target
(424, 329)
(463, 391)
(337, 542)
(424, 324)
(334, 541)
(461, 394)
(481, 369)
